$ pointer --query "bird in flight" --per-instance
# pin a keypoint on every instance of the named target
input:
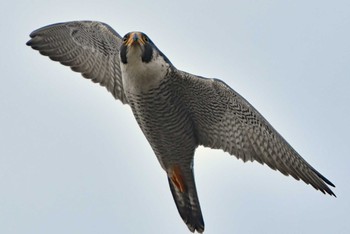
(177, 111)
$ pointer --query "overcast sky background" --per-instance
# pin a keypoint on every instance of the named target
(73, 160)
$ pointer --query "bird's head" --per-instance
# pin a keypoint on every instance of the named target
(137, 47)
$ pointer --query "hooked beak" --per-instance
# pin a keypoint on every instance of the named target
(135, 38)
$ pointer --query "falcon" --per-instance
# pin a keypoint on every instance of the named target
(176, 111)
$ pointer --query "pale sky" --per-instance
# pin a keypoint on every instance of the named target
(73, 159)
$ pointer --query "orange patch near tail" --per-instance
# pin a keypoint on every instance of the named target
(176, 178)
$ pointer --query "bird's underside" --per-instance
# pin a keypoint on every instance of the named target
(177, 112)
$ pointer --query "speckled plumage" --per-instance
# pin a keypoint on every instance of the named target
(176, 111)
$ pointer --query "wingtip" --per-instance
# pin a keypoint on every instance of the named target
(31, 35)
(326, 182)
(35, 32)
(331, 193)
(328, 191)
(34, 37)
(29, 43)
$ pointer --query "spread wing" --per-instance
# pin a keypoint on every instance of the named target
(225, 120)
(88, 47)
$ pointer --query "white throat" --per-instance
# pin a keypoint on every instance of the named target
(139, 77)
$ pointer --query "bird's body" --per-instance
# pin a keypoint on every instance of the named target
(176, 111)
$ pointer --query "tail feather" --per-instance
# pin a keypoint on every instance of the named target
(188, 206)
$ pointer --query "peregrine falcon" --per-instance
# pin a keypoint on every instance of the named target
(176, 111)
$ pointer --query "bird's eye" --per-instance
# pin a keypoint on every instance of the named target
(125, 38)
(145, 38)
